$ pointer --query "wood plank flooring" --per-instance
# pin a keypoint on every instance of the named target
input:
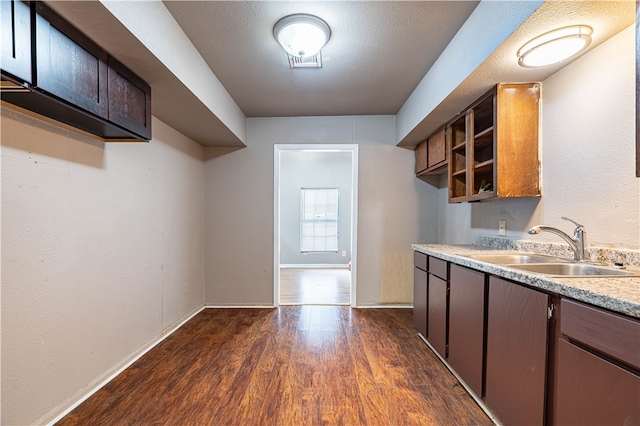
(320, 286)
(294, 365)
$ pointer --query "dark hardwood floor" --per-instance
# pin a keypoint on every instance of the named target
(294, 365)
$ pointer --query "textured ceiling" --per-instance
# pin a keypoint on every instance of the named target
(378, 52)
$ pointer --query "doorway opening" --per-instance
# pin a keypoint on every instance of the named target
(315, 224)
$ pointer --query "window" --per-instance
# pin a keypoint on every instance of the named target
(319, 220)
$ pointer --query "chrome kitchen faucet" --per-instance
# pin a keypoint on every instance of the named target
(577, 242)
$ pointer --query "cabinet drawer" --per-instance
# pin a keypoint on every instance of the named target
(438, 267)
(611, 334)
(420, 260)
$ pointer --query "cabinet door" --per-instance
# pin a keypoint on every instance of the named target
(592, 391)
(16, 39)
(421, 156)
(466, 325)
(436, 149)
(517, 338)
(437, 315)
(129, 100)
(69, 65)
(420, 300)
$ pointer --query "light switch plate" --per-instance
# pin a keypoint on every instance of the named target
(502, 227)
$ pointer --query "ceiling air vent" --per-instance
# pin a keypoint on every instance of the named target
(314, 61)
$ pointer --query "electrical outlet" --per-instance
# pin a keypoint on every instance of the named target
(502, 227)
(344, 253)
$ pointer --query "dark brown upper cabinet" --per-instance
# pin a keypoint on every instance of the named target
(493, 145)
(431, 154)
(69, 65)
(129, 99)
(71, 79)
(16, 40)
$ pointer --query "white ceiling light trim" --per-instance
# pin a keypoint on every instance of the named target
(302, 35)
(555, 46)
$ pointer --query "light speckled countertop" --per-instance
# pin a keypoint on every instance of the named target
(619, 294)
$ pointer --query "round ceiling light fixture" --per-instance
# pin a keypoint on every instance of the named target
(555, 46)
(301, 34)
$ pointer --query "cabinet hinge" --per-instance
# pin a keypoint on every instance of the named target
(550, 309)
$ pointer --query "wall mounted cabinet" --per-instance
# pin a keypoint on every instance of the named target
(69, 65)
(431, 154)
(493, 145)
(73, 81)
(16, 40)
(421, 157)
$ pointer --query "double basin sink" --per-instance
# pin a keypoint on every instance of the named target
(553, 266)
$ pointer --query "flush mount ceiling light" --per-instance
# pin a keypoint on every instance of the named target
(555, 46)
(302, 35)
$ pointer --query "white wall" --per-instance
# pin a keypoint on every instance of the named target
(102, 251)
(394, 209)
(588, 154)
(306, 169)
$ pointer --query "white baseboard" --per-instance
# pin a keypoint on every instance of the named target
(314, 266)
(296, 304)
(238, 306)
(66, 407)
(384, 306)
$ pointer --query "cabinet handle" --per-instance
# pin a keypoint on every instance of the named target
(550, 309)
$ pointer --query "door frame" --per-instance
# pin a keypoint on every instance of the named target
(277, 149)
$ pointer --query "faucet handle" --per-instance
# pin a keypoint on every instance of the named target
(573, 221)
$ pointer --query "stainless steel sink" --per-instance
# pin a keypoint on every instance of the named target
(509, 259)
(574, 270)
(552, 266)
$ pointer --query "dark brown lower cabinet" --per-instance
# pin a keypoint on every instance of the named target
(593, 391)
(466, 324)
(420, 300)
(517, 339)
(597, 376)
(437, 314)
